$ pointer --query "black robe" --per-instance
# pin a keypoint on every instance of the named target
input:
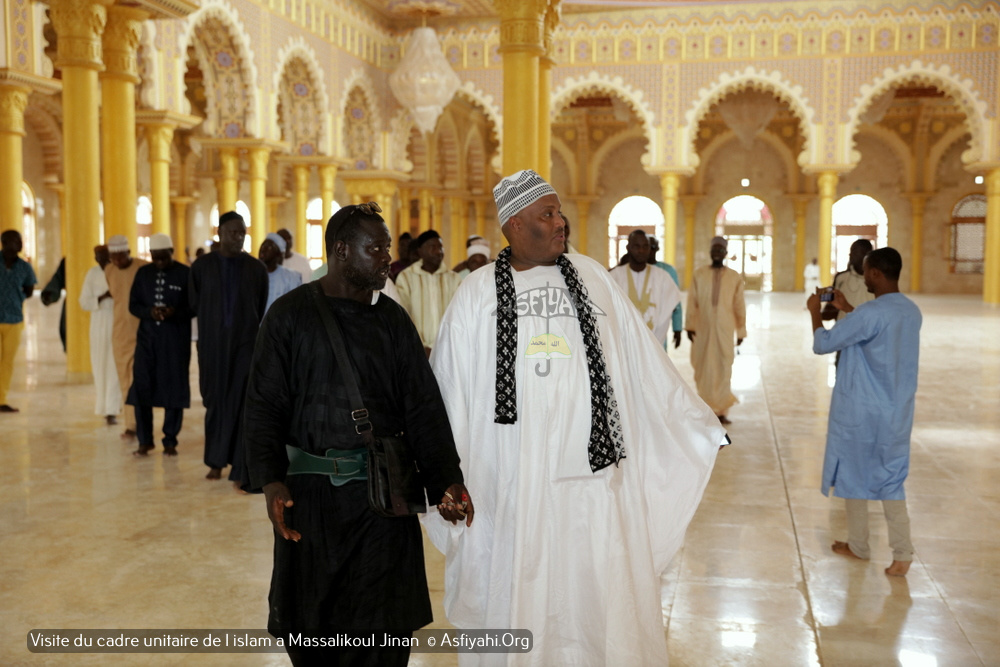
(228, 295)
(162, 349)
(353, 569)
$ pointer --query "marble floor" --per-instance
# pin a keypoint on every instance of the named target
(91, 537)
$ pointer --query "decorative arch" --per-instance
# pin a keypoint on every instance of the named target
(359, 79)
(605, 149)
(475, 162)
(568, 157)
(448, 156)
(573, 89)
(492, 112)
(899, 148)
(360, 129)
(937, 153)
(749, 79)
(302, 94)
(963, 91)
(782, 150)
(44, 116)
(224, 54)
(148, 90)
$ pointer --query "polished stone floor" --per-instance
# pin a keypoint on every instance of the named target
(91, 537)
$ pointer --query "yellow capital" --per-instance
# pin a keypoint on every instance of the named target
(121, 41)
(159, 138)
(79, 25)
(13, 102)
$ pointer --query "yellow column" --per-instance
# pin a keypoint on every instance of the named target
(459, 229)
(273, 224)
(78, 25)
(179, 230)
(544, 121)
(480, 206)
(521, 43)
(579, 228)
(327, 179)
(690, 209)
(917, 203)
(404, 213)
(230, 181)
(801, 205)
(669, 183)
(13, 102)
(827, 182)
(159, 136)
(258, 195)
(118, 142)
(301, 173)
(425, 211)
(438, 214)
(991, 256)
(387, 201)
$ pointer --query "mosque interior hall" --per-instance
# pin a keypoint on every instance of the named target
(791, 127)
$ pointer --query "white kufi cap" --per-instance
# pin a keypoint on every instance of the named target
(160, 242)
(118, 243)
(518, 191)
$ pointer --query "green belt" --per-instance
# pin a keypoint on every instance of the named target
(341, 465)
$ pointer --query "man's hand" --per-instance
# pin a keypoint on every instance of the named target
(278, 497)
(739, 341)
(455, 505)
(813, 303)
(106, 295)
(677, 339)
(840, 302)
(690, 335)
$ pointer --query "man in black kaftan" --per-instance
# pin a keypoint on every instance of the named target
(228, 292)
(339, 566)
(159, 298)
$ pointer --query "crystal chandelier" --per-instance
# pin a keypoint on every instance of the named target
(424, 82)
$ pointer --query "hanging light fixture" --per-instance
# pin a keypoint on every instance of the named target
(424, 82)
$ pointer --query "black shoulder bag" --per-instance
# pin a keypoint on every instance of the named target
(394, 485)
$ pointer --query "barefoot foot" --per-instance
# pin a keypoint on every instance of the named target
(844, 550)
(128, 434)
(214, 473)
(899, 568)
(8, 408)
(110, 420)
(143, 450)
(170, 451)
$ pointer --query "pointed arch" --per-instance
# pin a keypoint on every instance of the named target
(449, 159)
(937, 153)
(358, 78)
(44, 116)
(303, 99)
(749, 79)
(963, 91)
(475, 162)
(223, 50)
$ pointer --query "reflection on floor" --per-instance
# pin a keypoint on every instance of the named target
(93, 538)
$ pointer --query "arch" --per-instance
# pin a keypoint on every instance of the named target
(899, 148)
(560, 148)
(314, 102)
(493, 116)
(475, 162)
(597, 159)
(937, 153)
(360, 134)
(448, 156)
(217, 26)
(749, 79)
(419, 155)
(148, 90)
(781, 148)
(44, 116)
(573, 89)
(963, 91)
(358, 78)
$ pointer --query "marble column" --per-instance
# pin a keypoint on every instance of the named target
(459, 228)
(800, 204)
(918, 201)
(690, 204)
(159, 137)
(669, 184)
(991, 255)
(426, 203)
(327, 180)
(579, 227)
(13, 102)
(118, 136)
(179, 230)
(229, 183)
(521, 43)
(827, 182)
(301, 174)
(258, 157)
(79, 25)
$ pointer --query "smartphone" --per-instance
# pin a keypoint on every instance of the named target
(825, 294)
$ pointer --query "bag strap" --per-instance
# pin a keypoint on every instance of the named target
(362, 426)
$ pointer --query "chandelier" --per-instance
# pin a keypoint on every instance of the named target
(424, 82)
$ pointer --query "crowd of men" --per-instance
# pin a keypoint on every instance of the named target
(533, 393)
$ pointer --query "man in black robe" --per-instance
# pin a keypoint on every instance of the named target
(339, 566)
(228, 292)
(159, 298)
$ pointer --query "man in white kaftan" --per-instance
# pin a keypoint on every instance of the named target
(567, 549)
(96, 298)
(716, 314)
(427, 286)
(650, 290)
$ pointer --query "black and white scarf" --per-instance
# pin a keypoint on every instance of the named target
(606, 444)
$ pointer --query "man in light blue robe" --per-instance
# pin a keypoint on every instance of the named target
(871, 412)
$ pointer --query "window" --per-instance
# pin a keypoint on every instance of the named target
(242, 209)
(144, 226)
(968, 235)
(28, 222)
(856, 217)
(747, 224)
(628, 215)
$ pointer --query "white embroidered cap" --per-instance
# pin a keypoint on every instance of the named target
(160, 242)
(518, 191)
(118, 243)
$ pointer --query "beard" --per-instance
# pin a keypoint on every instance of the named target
(365, 280)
